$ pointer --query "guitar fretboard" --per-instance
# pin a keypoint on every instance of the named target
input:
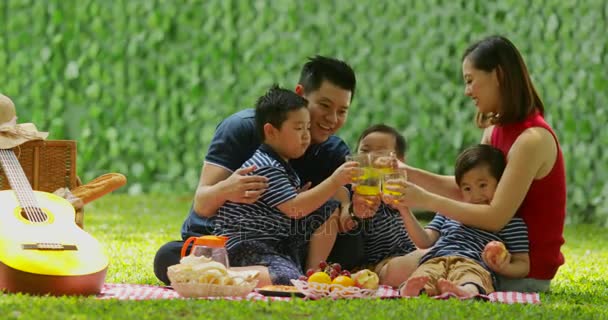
(21, 186)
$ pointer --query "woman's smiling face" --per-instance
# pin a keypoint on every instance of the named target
(481, 86)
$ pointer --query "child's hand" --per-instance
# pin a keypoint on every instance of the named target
(346, 173)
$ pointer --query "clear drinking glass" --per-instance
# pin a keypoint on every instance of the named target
(369, 182)
(394, 178)
(362, 159)
(383, 160)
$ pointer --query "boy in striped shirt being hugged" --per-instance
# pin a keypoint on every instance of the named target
(275, 231)
(460, 261)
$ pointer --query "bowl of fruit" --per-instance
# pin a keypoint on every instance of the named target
(330, 280)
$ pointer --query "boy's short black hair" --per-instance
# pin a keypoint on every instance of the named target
(273, 107)
(400, 142)
(479, 155)
(320, 68)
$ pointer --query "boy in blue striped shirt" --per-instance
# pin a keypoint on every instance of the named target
(387, 244)
(458, 262)
(274, 230)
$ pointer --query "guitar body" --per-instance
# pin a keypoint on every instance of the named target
(47, 253)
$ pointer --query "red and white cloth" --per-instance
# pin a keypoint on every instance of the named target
(146, 292)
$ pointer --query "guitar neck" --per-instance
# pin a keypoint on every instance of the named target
(17, 179)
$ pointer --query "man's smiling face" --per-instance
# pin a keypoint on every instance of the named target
(328, 110)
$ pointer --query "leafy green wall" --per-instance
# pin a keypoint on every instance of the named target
(142, 84)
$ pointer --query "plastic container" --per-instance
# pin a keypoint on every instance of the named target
(212, 247)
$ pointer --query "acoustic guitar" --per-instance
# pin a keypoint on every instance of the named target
(42, 250)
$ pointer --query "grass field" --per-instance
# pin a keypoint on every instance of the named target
(133, 228)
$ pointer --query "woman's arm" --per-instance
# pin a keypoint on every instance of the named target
(439, 184)
(442, 185)
(531, 157)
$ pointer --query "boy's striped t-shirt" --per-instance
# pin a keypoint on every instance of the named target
(386, 236)
(457, 239)
(261, 220)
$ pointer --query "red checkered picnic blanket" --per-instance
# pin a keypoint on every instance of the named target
(146, 292)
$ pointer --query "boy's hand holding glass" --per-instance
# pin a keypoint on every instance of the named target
(346, 173)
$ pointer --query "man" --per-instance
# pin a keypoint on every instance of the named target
(329, 86)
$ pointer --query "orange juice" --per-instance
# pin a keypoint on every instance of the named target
(390, 192)
(368, 173)
(392, 179)
(367, 190)
(368, 183)
(384, 171)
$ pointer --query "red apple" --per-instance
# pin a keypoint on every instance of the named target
(496, 252)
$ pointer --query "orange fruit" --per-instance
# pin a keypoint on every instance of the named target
(319, 277)
(343, 281)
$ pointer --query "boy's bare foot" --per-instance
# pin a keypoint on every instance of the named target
(465, 291)
(413, 286)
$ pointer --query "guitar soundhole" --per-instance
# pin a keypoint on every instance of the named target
(33, 214)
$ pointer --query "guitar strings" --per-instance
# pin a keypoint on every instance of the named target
(8, 168)
(28, 203)
(28, 192)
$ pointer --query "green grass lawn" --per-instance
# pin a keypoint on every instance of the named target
(133, 228)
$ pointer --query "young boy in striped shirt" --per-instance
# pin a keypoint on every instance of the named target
(274, 231)
(386, 239)
(458, 262)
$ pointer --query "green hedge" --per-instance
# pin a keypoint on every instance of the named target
(142, 84)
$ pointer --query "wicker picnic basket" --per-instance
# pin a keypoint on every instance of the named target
(48, 165)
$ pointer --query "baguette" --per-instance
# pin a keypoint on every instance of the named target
(99, 187)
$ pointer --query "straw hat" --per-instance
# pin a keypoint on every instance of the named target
(11, 133)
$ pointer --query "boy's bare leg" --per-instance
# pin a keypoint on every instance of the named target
(463, 291)
(413, 286)
(263, 277)
(399, 269)
(322, 241)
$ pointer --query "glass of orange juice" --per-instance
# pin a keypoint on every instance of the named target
(395, 178)
(369, 181)
(363, 160)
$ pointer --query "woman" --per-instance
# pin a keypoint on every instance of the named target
(533, 185)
